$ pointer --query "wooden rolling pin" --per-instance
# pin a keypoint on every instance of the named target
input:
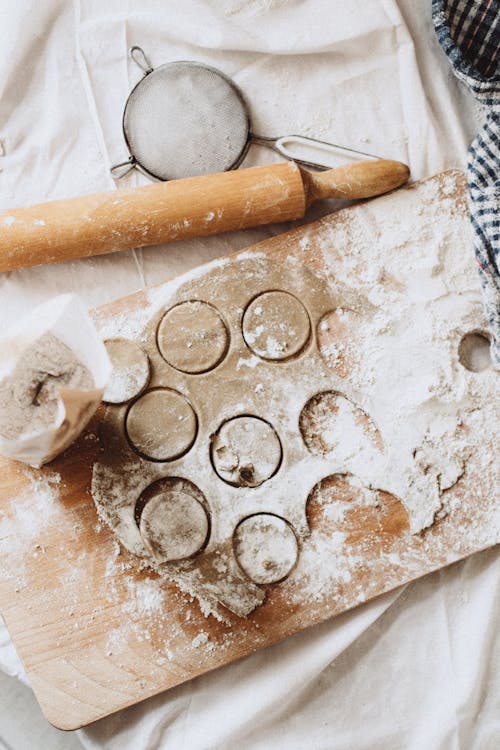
(192, 207)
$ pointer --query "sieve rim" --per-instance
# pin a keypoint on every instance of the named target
(191, 64)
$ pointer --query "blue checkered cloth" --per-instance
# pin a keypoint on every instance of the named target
(469, 33)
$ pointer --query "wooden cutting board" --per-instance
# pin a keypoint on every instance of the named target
(96, 636)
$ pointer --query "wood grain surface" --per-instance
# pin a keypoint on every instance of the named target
(95, 635)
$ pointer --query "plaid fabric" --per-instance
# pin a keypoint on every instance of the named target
(469, 33)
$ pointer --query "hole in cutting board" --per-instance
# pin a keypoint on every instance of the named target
(474, 351)
(245, 451)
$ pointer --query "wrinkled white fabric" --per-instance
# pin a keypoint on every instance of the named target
(412, 670)
(422, 676)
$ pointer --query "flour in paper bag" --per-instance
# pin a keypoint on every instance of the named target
(29, 398)
(53, 370)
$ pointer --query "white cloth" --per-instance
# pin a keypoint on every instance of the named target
(422, 673)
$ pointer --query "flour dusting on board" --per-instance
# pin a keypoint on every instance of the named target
(385, 428)
(22, 528)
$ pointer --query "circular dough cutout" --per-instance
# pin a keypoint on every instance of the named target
(192, 337)
(276, 326)
(130, 374)
(161, 425)
(174, 524)
(246, 451)
(265, 547)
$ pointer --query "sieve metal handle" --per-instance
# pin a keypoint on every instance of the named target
(279, 145)
(141, 60)
(124, 167)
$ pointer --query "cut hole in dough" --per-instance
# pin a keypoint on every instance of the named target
(342, 503)
(474, 351)
(130, 374)
(161, 425)
(265, 547)
(192, 337)
(246, 451)
(276, 326)
(173, 523)
(330, 422)
(339, 334)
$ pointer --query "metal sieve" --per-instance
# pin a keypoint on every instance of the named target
(185, 119)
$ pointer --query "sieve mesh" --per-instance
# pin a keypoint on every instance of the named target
(185, 119)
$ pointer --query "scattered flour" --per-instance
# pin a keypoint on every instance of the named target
(25, 519)
(200, 639)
